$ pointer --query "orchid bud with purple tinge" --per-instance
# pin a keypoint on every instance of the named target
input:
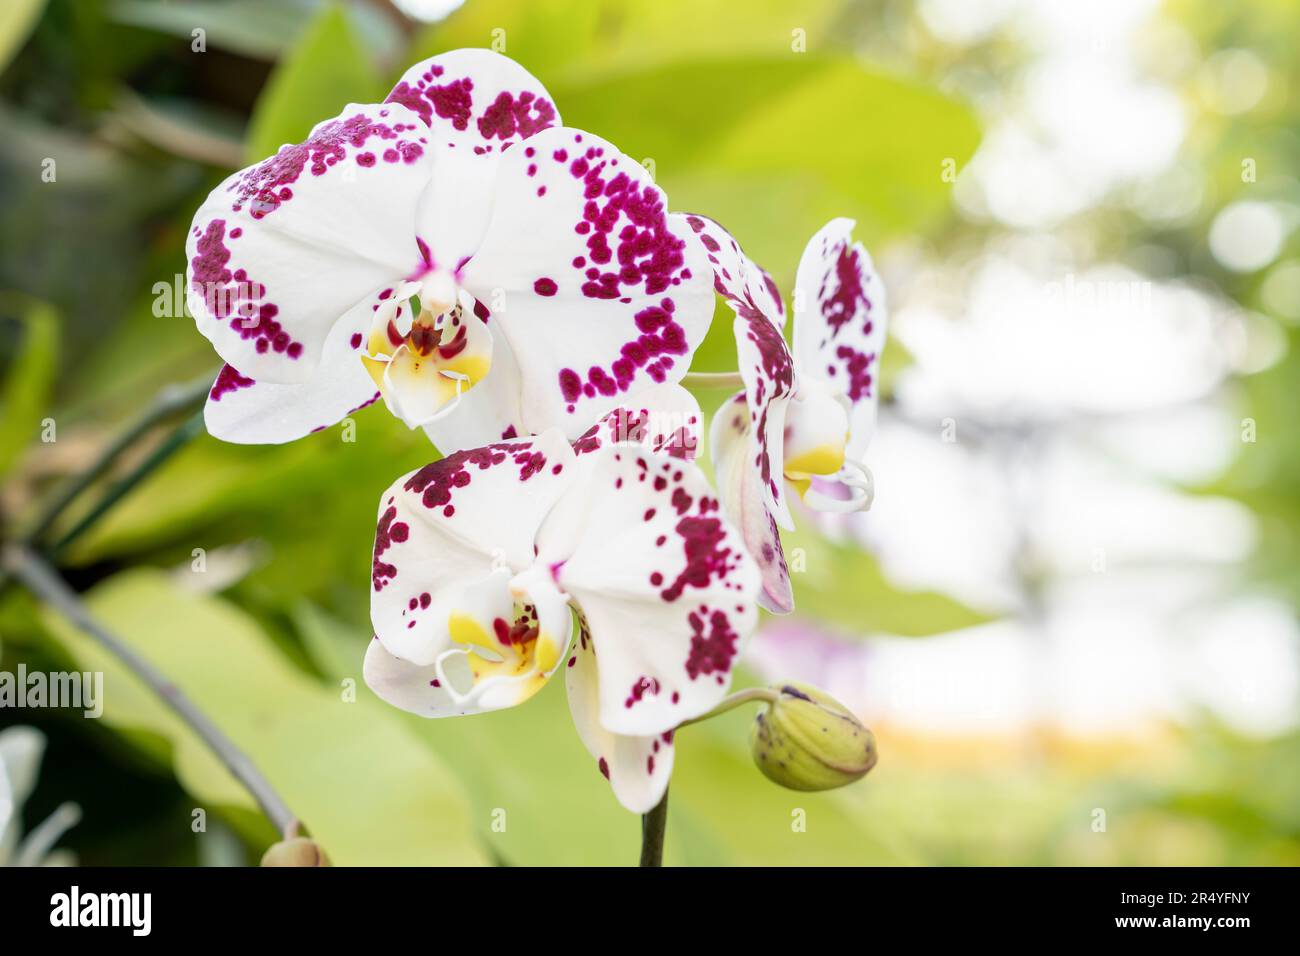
(807, 740)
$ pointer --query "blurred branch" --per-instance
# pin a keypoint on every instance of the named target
(170, 401)
(173, 443)
(44, 582)
(186, 140)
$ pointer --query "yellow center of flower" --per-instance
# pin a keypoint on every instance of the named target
(518, 649)
(422, 371)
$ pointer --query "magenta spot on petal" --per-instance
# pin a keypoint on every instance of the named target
(228, 380)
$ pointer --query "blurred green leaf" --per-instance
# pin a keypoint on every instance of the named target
(27, 385)
(775, 147)
(213, 493)
(17, 20)
(250, 27)
(758, 823)
(844, 586)
(326, 68)
(368, 791)
(765, 122)
(839, 583)
(257, 29)
(564, 40)
(568, 816)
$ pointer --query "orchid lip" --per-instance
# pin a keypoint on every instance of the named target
(854, 476)
(414, 367)
(515, 661)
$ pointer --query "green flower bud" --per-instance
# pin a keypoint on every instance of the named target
(298, 851)
(808, 740)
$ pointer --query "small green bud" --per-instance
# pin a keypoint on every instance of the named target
(808, 740)
(298, 851)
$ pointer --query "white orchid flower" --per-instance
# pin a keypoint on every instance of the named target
(453, 250)
(806, 415)
(607, 557)
(21, 749)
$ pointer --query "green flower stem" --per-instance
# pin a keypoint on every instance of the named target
(653, 826)
(191, 427)
(730, 380)
(43, 581)
(766, 694)
(170, 401)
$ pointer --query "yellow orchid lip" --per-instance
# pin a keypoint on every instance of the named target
(818, 460)
(422, 373)
(519, 652)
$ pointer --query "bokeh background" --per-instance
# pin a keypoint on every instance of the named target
(1070, 617)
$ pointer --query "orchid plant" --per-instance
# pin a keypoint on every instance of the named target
(518, 290)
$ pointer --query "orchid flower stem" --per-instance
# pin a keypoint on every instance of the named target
(174, 442)
(170, 401)
(43, 581)
(766, 694)
(729, 380)
(653, 826)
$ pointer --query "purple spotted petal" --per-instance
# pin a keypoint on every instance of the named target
(281, 250)
(477, 105)
(476, 99)
(765, 362)
(840, 330)
(637, 768)
(665, 419)
(664, 582)
(740, 489)
(603, 293)
(244, 411)
(449, 524)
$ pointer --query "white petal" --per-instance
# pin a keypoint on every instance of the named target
(21, 749)
(477, 104)
(412, 687)
(839, 324)
(663, 581)
(451, 523)
(252, 413)
(638, 768)
(766, 366)
(602, 292)
(745, 504)
(281, 250)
